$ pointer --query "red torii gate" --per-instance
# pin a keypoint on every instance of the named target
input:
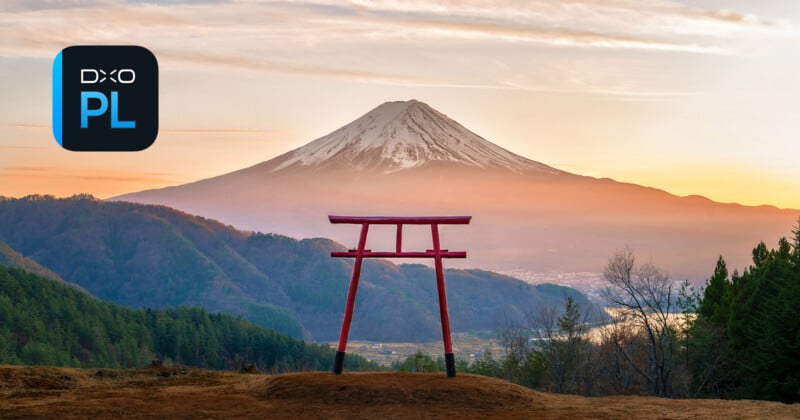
(436, 253)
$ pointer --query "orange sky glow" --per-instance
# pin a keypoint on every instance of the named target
(696, 97)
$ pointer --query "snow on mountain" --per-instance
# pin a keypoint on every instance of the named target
(402, 135)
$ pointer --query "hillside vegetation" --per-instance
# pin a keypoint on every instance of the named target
(143, 255)
(11, 258)
(43, 322)
(746, 340)
(737, 338)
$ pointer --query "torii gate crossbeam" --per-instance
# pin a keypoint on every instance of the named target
(437, 253)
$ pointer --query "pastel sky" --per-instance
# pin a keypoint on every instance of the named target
(694, 97)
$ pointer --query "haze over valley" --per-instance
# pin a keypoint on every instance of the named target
(406, 158)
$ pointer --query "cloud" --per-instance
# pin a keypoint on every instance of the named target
(17, 147)
(28, 126)
(161, 130)
(549, 36)
(61, 173)
(216, 131)
(217, 136)
(655, 17)
(644, 24)
(378, 42)
(622, 93)
(263, 64)
(29, 169)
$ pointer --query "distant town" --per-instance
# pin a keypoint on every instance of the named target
(589, 283)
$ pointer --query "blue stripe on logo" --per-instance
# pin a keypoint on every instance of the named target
(57, 115)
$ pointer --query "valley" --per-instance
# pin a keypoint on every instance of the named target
(465, 346)
(157, 257)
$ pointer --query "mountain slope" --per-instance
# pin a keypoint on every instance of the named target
(402, 135)
(139, 255)
(13, 259)
(44, 322)
(404, 158)
(126, 254)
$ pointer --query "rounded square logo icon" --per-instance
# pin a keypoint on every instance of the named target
(105, 98)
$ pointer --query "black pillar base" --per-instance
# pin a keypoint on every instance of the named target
(450, 364)
(338, 363)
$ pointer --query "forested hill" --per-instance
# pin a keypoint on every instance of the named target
(43, 322)
(11, 258)
(154, 256)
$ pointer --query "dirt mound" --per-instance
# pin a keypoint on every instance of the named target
(400, 389)
(41, 378)
(177, 391)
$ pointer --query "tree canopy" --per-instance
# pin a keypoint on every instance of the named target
(43, 322)
(755, 319)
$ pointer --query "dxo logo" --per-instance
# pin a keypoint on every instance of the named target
(94, 76)
(105, 98)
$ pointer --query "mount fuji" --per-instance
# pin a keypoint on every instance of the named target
(404, 135)
(406, 158)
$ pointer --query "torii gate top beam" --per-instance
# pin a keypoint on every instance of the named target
(385, 220)
(434, 222)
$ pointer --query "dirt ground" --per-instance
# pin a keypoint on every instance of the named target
(183, 392)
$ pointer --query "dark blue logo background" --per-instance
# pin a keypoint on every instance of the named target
(105, 98)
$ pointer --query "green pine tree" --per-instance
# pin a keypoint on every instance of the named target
(713, 307)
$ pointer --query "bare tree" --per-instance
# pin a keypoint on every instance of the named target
(644, 296)
(562, 339)
(560, 352)
(616, 375)
(515, 340)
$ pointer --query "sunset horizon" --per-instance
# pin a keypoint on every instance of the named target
(122, 183)
(694, 98)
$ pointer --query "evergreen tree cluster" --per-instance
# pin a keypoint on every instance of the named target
(44, 322)
(740, 338)
(423, 362)
(745, 342)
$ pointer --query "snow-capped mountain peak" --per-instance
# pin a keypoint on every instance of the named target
(401, 135)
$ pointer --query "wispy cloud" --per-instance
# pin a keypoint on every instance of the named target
(629, 94)
(18, 147)
(25, 125)
(60, 173)
(645, 24)
(263, 64)
(163, 129)
(364, 41)
(433, 28)
(216, 131)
